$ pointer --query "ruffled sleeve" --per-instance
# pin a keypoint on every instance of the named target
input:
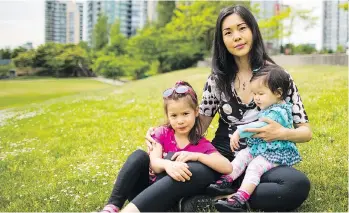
(210, 100)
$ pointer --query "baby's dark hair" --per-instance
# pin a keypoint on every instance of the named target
(195, 133)
(275, 78)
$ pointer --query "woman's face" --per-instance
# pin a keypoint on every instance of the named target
(237, 36)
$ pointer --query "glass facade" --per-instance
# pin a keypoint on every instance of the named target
(61, 20)
(335, 25)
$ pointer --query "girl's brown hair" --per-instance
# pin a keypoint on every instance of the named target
(195, 134)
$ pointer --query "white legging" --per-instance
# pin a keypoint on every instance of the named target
(256, 167)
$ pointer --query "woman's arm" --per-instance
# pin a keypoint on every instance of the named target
(205, 122)
(215, 160)
(274, 131)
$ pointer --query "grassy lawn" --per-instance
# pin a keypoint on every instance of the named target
(63, 154)
(14, 93)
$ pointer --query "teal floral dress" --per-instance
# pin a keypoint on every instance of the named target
(280, 152)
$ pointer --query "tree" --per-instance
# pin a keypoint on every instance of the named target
(165, 12)
(118, 41)
(304, 49)
(25, 59)
(344, 6)
(17, 50)
(281, 25)
(73, 61)
(340, 49)
(196, 22)
(45, 53)
(5, 53)
(100, 35)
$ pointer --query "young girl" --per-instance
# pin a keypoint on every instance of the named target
(269, 86)
(177, 174)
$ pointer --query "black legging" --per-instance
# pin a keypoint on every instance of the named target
(133, 184)
(282, 188)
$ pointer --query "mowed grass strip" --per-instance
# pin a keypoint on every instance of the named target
(64, 154)
(14, 93)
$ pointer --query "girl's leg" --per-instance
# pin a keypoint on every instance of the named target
(224, 186)
(241, 161)
(282, 188)
(255, 170)
(132, 178)
(166, 192)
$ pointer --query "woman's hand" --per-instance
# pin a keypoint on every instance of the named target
(234, 141)
(185, 156)
(149, 140)
(178, 170)
(271, 132)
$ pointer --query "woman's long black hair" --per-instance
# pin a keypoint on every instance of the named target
(224, 66)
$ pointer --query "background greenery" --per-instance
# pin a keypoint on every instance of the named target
(182, 36)
(63, 152)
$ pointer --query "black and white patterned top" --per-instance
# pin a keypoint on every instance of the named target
(233, 112)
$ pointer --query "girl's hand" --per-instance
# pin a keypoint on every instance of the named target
(234, 141)
(185, 156)
(149, 140)
(178, 171)
(271, 132)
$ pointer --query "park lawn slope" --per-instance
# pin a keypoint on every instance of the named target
(63, 154)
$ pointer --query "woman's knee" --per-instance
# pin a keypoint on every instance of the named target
(285, 175)
(202, 172)
(281, 189)
(138, 157)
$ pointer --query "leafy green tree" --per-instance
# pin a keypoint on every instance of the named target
(45, 56)
(100, 35)
(118, 41)
(304, 49)
(73, 61)
(25, 59)
(340, 49)
(165, 12)
(17, 50)
(5, 53)
(344, 6)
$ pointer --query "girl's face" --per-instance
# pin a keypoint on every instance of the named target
(237, 36)
(263, 96)
(181, 116)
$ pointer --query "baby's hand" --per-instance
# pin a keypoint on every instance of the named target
(234, 141)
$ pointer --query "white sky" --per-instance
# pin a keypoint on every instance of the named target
(23, 21)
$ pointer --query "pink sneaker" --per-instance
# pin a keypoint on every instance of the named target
(110, 208)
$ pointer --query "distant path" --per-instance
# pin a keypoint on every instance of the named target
(109, 81)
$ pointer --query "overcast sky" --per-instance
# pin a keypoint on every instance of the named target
(23, 21)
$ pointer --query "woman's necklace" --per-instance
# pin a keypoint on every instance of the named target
(244, 86)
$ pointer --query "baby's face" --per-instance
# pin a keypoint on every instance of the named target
(263, 96)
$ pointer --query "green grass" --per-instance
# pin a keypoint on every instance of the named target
(22, 91)
(63, 154)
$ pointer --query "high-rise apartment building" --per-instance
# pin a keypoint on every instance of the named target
(63, 21)
(335, 31)
(268, 9)
(132, 14)
(152, 10)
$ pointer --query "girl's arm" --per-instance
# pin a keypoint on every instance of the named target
(179, 171)
(215, 160)
(157, 164)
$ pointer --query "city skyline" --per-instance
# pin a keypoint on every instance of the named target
(24, 21)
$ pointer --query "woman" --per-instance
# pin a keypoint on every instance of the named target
(238, 51)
